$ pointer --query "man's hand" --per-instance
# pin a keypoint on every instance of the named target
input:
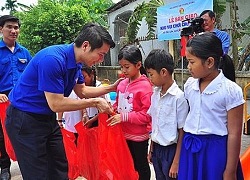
(114, 86)
(103, 106)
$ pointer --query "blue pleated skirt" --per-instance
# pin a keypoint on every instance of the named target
(204, 157)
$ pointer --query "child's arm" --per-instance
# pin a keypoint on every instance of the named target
(59, 119)
(85, 117)
(235, 119)
(91, 121)
(173, 172)
(150, 151)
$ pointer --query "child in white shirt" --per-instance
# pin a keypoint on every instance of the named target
(213, 128)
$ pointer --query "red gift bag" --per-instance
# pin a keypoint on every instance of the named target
(104, 151)
(115, 160)
(70, 149)
(87, 151)
(8, 145)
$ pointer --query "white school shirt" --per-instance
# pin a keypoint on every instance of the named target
(92, 111)
(72, 117)
(168, 114)
(208, 110)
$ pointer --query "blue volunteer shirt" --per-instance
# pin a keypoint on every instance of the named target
(225, 39)
(53, 69)
(12, 65)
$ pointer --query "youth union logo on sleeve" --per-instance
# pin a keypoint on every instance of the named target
(23, 60)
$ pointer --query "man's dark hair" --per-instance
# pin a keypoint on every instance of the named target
(158, 59)
(96, 35)
(209, 12)
(5, 18)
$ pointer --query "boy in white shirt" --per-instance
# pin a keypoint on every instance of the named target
(168, 110)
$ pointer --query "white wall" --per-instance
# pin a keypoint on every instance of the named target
(146, 46)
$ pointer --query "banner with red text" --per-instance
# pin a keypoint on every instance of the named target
(171, 18)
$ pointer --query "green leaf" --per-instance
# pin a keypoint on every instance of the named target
(57, 21)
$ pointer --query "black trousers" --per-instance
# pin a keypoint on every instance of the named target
(139, 152)
(38, 145)
(4, 157)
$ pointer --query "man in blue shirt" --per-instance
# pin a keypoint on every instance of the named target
(42, 90)
(209, 19)
(13, 60)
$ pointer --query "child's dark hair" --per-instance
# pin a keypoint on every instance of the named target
(209, 45)
(132, 54)
(90, 71)
(158, 59)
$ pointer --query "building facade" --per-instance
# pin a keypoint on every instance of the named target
(119, 14)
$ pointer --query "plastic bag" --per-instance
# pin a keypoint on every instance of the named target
(115, 160)
(8, 145)
(103, 153)
(87, 151)
(71, 153)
